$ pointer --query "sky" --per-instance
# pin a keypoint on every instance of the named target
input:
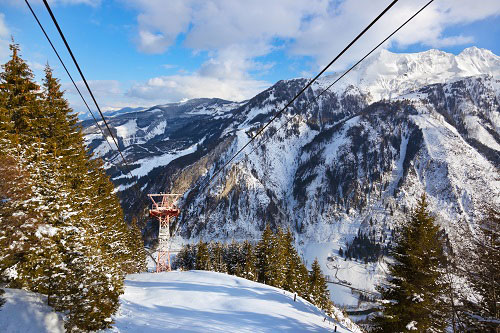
(139, 53)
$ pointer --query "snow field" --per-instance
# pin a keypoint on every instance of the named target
(27, 312)
(201, 301)
(194, 301)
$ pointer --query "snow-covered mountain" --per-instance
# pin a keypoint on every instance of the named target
(355, 158)
(388, 75)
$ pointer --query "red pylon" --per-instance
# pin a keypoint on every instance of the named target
(164, 208)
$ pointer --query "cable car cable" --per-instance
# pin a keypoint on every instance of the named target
(67, 72)
(304, 88)
(83, 77)
(345, 73)
(139, 195)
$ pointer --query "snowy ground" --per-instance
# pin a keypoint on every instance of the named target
(200, 301)
(194, 301)
(27, 312)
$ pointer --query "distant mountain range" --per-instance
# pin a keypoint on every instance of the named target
(354, 159)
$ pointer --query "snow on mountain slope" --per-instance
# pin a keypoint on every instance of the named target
(201, 301)
(353, 160)
(27, 312)
(387, 75)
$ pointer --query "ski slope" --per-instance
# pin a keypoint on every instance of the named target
(201, 301)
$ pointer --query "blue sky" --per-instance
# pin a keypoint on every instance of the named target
(146, 52)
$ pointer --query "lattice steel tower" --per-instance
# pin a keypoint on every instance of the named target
(164, 208)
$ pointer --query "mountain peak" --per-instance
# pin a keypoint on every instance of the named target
(475, 51)
(388, 74)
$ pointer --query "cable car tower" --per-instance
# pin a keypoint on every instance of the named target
(164, 208)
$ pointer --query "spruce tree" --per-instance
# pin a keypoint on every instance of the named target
(234, 258)
(296, 275)
(279, 262)
(265, 256)
(414, 293)
(249, 270)
(63, 234)
(217, 257)
(16, 223)
(203, 257)
(318, 289)
(136, 258)
(19, 96)
(186, 258)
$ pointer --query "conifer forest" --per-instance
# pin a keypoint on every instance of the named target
(62, 231)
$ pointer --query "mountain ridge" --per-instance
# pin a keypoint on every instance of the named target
(354, 159)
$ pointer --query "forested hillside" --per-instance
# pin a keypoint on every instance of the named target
(62, 230)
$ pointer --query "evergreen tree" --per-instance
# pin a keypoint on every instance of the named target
(203, 257)
(249, 270)
(265, 256)
(279, 262)
(296, 275)
(136, 259)
(415, 291)
(234, 258)
(318, 289)
(217, 257)
(186, 258)
(15, 224)
(106, 220)
(2, 299)
(64, 234)
(19, 96)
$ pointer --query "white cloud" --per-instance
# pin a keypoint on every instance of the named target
(178, 87)
(4, 31)
(316, 28)
(236, 33)
(327, 34)
(111, 94)
(4, 39)
(36, 66)
(108, 93)
(169, 66)
(160, 22)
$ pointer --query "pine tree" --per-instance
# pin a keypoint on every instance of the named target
(217, 257)
(249, 270)
(415, 291)
(186, 258)
(318, 289)
(19, 96)
(2, 299)
(16, 224)
(234, 258)
(296, 275)
(265, 256)
(63, 234)
(279, 262)
(203, 257)
(136, 261)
